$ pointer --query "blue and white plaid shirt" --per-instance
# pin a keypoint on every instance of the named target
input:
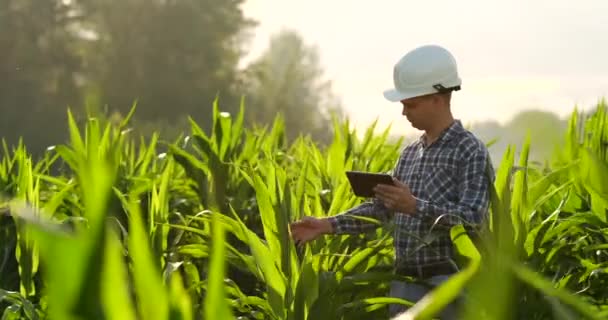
(449, 180)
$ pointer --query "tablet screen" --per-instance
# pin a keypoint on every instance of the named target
(363, 183)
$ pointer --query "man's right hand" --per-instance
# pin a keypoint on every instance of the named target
(310, 228)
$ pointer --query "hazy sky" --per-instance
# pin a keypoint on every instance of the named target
(512, 55)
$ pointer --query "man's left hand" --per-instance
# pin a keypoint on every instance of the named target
(397, 197)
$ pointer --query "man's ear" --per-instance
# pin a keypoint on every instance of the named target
(436, 99)
(447, 97)
(442, 98)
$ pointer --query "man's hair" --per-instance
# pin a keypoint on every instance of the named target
(446, 96)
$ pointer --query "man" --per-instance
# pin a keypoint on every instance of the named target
(441, 179)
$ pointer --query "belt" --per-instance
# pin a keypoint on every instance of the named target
(428, 271)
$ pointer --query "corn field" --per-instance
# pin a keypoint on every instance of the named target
(110, 226)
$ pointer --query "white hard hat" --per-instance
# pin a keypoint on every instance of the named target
(425, 70)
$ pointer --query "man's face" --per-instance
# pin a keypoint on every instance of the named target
(420, 111)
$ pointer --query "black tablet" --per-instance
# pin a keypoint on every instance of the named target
(363, 183)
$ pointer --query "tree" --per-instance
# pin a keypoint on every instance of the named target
(287, 79)
(546, 131)
(173, 57)
(39, 68)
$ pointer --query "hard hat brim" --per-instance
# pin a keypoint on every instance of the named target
(394, 95)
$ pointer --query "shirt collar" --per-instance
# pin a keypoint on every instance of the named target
(446, 135)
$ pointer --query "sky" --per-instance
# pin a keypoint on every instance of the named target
(512, 55)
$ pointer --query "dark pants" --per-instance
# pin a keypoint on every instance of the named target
(414, 292)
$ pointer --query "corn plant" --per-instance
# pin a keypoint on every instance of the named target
(89, 272)
(107, 226)
(543, 249)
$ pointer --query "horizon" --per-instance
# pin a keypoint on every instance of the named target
(523, 64)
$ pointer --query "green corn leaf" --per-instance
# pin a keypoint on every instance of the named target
(431, 304)
(125, 121)
(75, 137)
(533, 279)
(357, 260)
(216, 306)
(307, 290)
(12, 313)
(371, 304)
(237, 130)
(159, 211)
(153, 302)
(115, 290)
(226, 129)
(146, 157)
(19, 306)
(594, 174)
(264, 260)
(519, 210)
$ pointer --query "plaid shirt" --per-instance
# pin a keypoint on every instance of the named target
(449, 181)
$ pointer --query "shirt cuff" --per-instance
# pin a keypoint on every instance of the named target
(422, 206)
(335, 225)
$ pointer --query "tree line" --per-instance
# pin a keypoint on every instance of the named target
(172, 58)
